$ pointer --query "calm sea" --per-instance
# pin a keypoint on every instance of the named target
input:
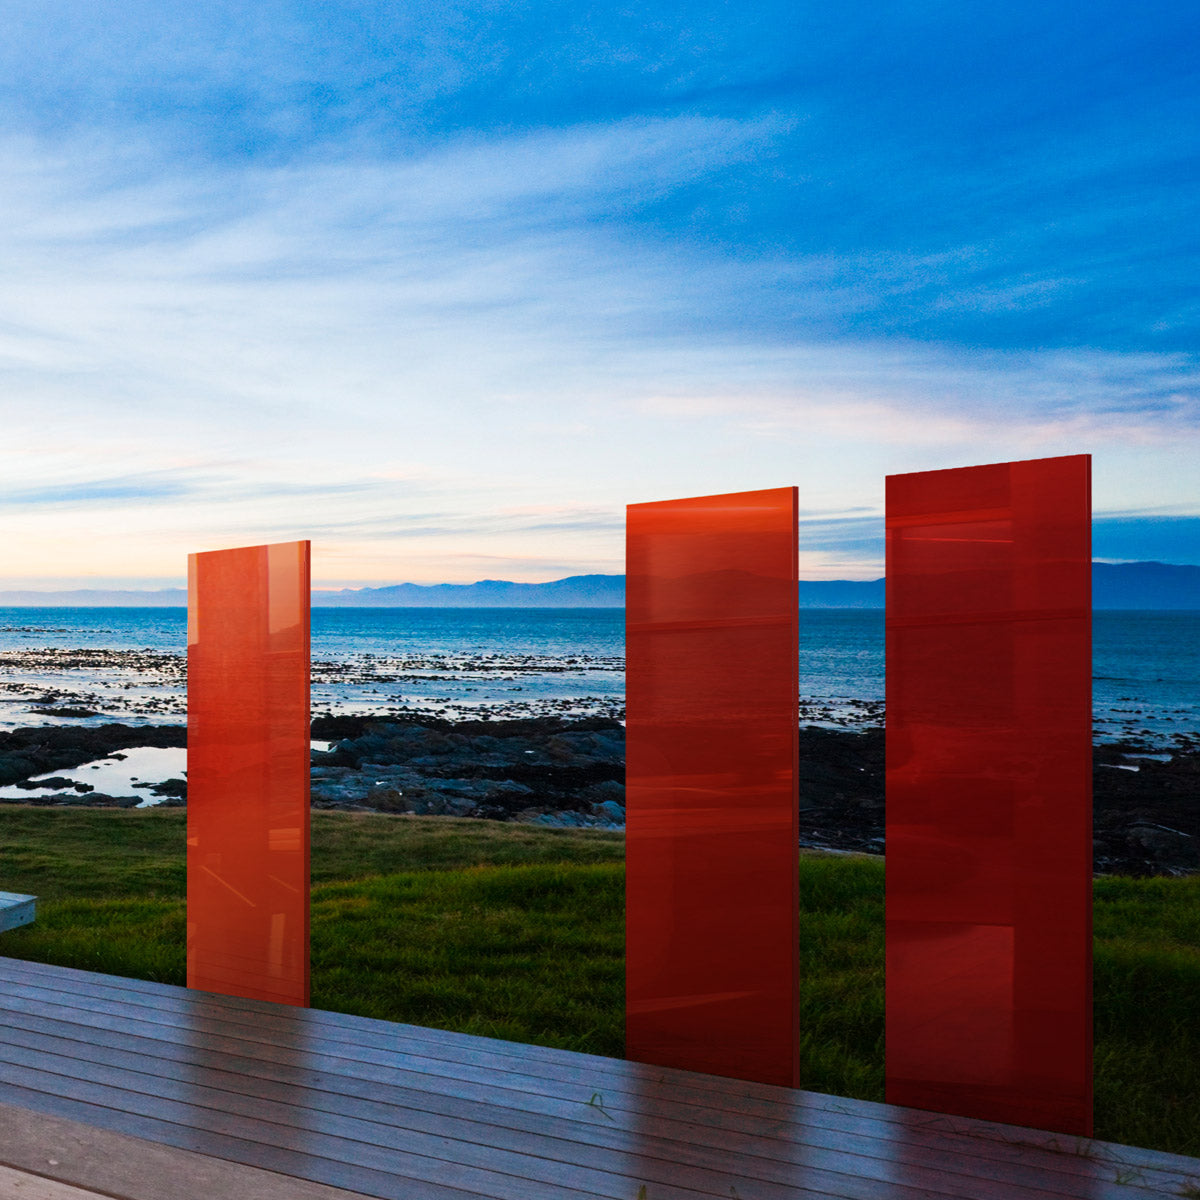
(126, 663)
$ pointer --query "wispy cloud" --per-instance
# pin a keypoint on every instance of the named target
(107, 491)
(437, 283)
(415, 524)
(908, 393)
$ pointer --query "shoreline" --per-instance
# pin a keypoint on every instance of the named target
(569, 772)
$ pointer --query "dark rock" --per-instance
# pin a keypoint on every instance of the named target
(610, 812)
(1146, 821)
(841, 784)
(328, 728)
(556, 770)
(39, 750)
(75, 799)
(502, 767)
(1169, 847)
(607, 792)
(174, 788)
(1141, 815)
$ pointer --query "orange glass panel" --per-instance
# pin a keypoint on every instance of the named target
(711, 743)
(989, 801)
(248, 772)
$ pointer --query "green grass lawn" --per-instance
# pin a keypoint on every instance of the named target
(517, 932)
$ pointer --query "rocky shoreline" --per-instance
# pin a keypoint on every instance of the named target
(547, 770)
(562, 772)
(47, 748)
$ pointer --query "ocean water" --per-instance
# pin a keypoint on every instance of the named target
(129, 664)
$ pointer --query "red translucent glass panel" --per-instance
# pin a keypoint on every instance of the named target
(711, 846)
(248, 772)
(989, 801)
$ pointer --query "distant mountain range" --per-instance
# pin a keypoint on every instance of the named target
(577, 591)
(1147, 585)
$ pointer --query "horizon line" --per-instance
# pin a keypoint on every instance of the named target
(375, 587)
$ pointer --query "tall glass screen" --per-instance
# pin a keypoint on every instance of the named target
(248, 772)
(711, 844)
(989, 847)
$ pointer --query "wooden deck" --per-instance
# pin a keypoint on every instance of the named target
(421, 1114)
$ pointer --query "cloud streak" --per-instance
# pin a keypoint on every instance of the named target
(453, 281)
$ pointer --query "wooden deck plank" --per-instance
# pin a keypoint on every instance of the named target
(309, 1023)
(617, 1102)
(661, 1148)
(308, 1020)
(233, 1149)
(534, 1161)
(654, 1160)
(212, 1110)
(1060, 1158)
(538, 1161)
(352, 1164)
(380, 1109)
(21, 1185)
(713, 1120)
(115, 1164)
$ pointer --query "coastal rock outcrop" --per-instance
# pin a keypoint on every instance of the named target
(37, 751)
(501, 770)
(562, 772)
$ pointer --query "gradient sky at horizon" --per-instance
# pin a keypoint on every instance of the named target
(444, 286)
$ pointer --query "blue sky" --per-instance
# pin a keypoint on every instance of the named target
(445, 286)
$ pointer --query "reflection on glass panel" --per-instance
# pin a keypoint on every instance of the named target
(248, 772)
(989, 801)
(711, 845)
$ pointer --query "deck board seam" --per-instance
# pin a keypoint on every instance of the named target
(169, 1133)
(218, 1103)
(402, 1164)
(428, 1095)
(777, 1108)
(767, 1161)
(304, 1016)
(1063, 1159)
(1144, 1158)
(667, 1153)
(485, 1082)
